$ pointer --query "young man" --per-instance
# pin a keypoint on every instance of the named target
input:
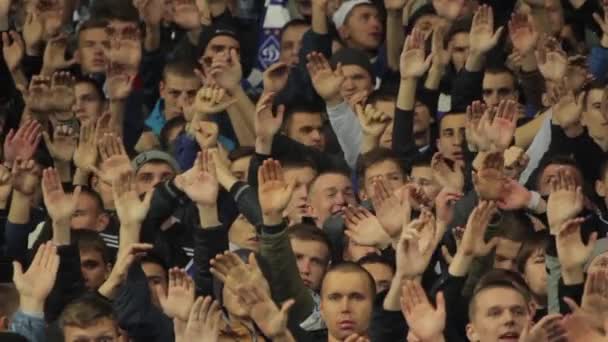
(239, 162)
(95, 264)
(89, 318)
(152, 168)
(303, 172)
(304, 124)
(291, 41)
(380, 268)
(89, 100)
(311, 248)
(93, 41)
(347, 295)
(379, 164)
(451, 136)
(498, 84)
(330, 192)
(359, 25)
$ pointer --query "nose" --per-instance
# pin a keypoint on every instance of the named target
(305, 267)
(344, 305)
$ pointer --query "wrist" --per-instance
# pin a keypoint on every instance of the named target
(573, 275)
(263, 145)
(604, 41)
(30, 305)
(272, 219)
(208, 216)
(33, 51)
(61, 232)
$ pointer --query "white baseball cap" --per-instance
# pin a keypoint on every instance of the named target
(347, 6)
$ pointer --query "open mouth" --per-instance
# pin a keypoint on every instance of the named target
(510, 336)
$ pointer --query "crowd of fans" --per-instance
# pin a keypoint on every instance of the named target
(402, 170)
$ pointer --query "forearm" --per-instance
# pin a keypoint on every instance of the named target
(81, 177)
(474, 62)
(347, 129)
(433, 78)
(152, 38)
(19, 78)
(525, 134)
(572, 275)
(368, 143)
(208, 216)
(392, 299)
(243, 130)
(28, 324)
(263, 146)
(129, 234)
(61, 232)
(406, 98)
(319, 19)
(395, 36)
(460, 265)
(19, 213)
(65, 171)
(117, 112)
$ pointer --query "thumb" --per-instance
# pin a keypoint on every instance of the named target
(17, 270)
(160, 293)
(591, 242)
(47, 139)
(440, 302)
(148, 198)
(489, 246)
(497, 34)
(571, 304)
(286, 306)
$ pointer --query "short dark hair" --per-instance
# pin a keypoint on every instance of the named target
(498, 278)
(373, 157)
(309, 232)
(89, 240)
(562, 160)
(373, 258)
(332, 171)
(515, 226)
(298, 161)
(95, 84)
(114, 10)
(351, 267)
(9, 300)
(92, 23)
(593, 85)
(183, 67)
(536, 241)
(241, 152)
(453, 112)
(386, 92)
(501, 69)
(96, 197)
(293, 108)
(86, 311)
(293, 23)
(460, 25)
(154, 257)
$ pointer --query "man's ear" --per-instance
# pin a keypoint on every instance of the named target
(344, 33)
(161, 87)
(600, 188)
(471, 333)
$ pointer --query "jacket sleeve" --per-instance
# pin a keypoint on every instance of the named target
(247, 202)
(275, 248)
(165, 200)
(386, 325)
(598, 62)
(533, 86)
(574, 292)
(69, 283)
(208, 242)
(348, 131)
(135, 312)
(404, 144)
(15, 239)
(29, 325)
(466, 88)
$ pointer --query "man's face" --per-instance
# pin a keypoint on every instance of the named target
(506, 254)
(88, 104)
(178, 92)
(242, 233)
(329, 194)
(555, 14)
(422, 118)
(346, 304)
(354, 251)
(535, 273)
(157, 276)
(298, 205)
(104, 329)
(240, 167)
(312, 258)
(388, 108)
(460, 49)
(92, 46)
(386, 170)
(219, 46)
(382, 274)
(356, 80)
(498, 87)
(363, 28)
(150, 174)
(426, 24)
(451, 136)
(94, 270)
(88, 214)
(500, 315)
(291, 41)
(307, 129)
(594, 120)
(551, 173)
(423, 176)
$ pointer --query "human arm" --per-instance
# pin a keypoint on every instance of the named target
(394, 31)
(572, 252)
(482, 38)
(424, 321)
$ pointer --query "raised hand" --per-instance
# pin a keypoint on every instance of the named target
(22, 143)
(373, 122)
(478, 121)
(572, 252)
(227, 71)
(125, 258)
(275, 77)
(327, 82)
(59, 205)
(85, 155)
(602, 21)
(150, 11)
(114, 159)
(54, 55)
(205, 321)
(24, 177)
(567, 108)
(131, 210)
(424, 320)
(62, 92)
(200, 182)
(38, 96)
(482, 37)
(444, 205)
(13, 50)
(235, 274)
(205, 132)
(473, 240)
(595, 295)
(516, 161)
(274, 191)
(211, 100)
(440, 55)
(125, 47)
(5, 185)
(502, 128)
(32, 33)
(36, 283)
(178, 300)
(489, 180)
(523, 33)
(412, 63)
(63, 144)
(448, 9)
(552, 60)
(119, 81)
(186, 14)
(364, 228)
(446, 173)
(548, 329)
(394, 5)
(565, 201)
(413, 253)
(393, 211)
(267, 123)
